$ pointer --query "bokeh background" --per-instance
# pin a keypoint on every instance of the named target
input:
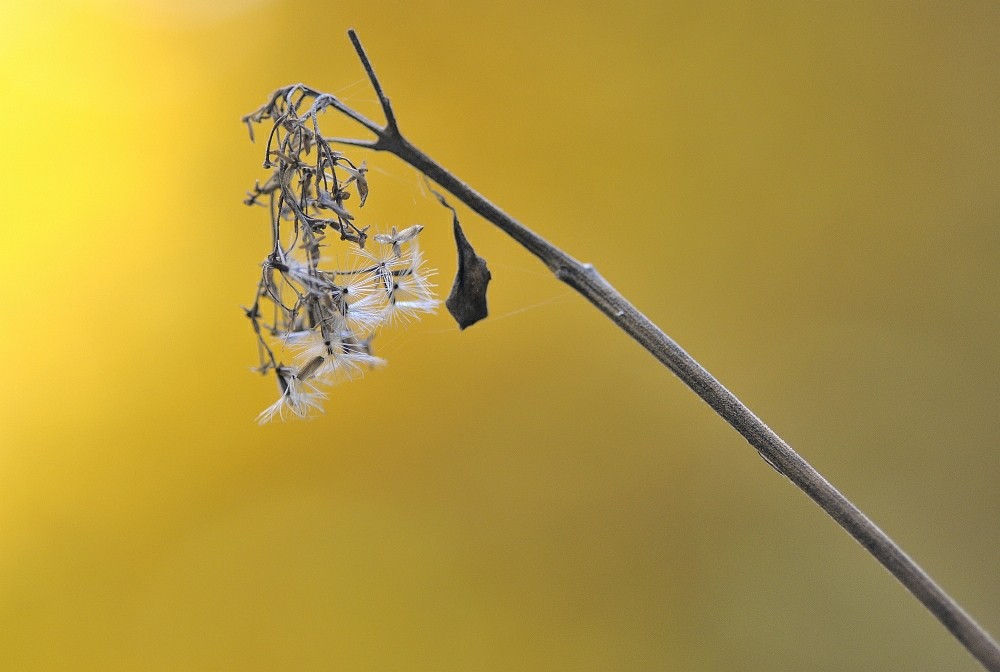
(804, 194)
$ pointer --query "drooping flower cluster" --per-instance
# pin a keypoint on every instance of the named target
(322, 317)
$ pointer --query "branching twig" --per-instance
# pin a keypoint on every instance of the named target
(587, 281)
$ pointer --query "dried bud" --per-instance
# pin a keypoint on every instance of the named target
(397, 238)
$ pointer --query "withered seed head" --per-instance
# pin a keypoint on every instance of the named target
(326, 317)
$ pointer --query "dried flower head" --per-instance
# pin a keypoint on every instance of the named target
(323, 318)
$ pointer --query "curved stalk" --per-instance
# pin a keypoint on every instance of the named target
(585, 279)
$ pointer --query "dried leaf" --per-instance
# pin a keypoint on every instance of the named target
(363, 185)
(326, 201)
(467, 300)
(359, 175)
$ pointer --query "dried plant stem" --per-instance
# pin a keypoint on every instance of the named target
(588, 282)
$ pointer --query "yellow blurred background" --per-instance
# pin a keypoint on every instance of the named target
(805, 195)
